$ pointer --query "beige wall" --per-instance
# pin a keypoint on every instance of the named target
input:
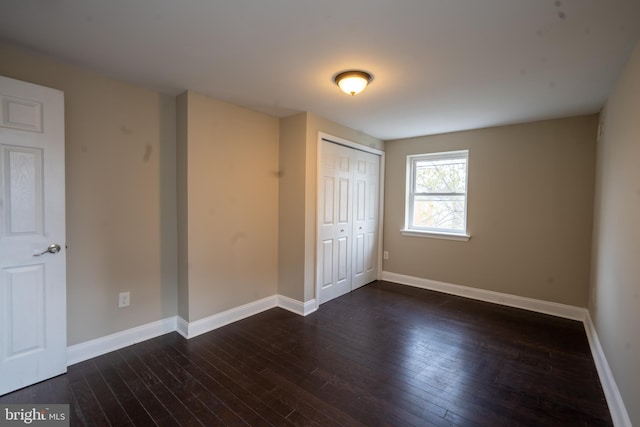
(232, 205)
(298, 188)
(291, 219)
(615, 305)
(529, 211)
(120, 186)
(182, 168)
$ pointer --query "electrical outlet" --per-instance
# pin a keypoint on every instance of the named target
(124, 299)
(385, 254)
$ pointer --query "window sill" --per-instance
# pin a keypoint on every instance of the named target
(436, 235)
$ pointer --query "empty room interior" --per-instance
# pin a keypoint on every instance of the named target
(243, 243)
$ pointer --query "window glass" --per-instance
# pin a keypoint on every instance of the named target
(437, 196)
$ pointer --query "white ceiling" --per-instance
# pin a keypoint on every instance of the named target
(438, 65)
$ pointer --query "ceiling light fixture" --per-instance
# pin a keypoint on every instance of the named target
(353, 81)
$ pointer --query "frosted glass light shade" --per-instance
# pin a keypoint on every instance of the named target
(352, 82)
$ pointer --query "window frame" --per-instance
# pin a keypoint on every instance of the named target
(410, 196)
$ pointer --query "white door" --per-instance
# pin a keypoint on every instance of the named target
(365, 218)
(32, 235)
(347, 219)
(334, 222)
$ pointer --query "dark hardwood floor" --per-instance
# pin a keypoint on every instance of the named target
(384, 355)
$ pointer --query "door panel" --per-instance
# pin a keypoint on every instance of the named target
(21, 113)
(23, 190)
(32, 286)
(24, 329)
(327, 200)
(344, 208)
(371, 252)
(359, 256)
(326, 263)
(342, 260)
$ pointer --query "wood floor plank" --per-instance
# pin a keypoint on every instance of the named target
(159, 390)
(209, 382)
(183, 387)
(236, 382)
(384, 355)
(91, 410)
(115, 413)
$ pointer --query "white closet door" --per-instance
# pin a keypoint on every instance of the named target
(334, 252)
(365, 218)
(348, 195)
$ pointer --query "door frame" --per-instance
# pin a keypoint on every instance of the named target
(356, 146)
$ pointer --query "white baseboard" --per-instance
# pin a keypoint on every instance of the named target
(218, 320)
(297, 307)
(182, 327)
(619, 413)
(545, 307)
(616, 405)
(80, 352)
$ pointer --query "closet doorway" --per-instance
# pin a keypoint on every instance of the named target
(349, 217)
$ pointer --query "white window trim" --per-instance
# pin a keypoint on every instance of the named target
(434, 233)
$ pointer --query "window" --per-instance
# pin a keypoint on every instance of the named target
(436, 202)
